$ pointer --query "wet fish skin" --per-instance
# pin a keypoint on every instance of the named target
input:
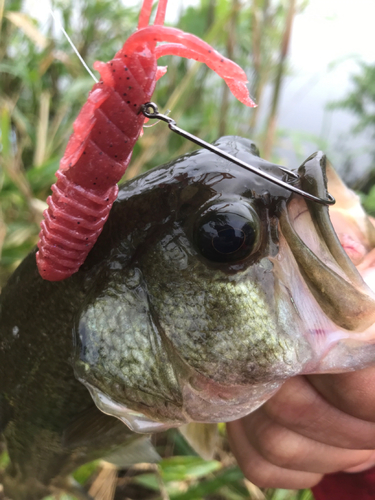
(163, 333)
(174, 335)
(40, 396)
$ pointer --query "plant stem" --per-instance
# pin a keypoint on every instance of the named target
(272, 119)
(231, 41)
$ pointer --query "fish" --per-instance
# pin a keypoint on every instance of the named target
(207, 289)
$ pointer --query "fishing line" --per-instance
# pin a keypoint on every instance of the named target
(150, 110)
(73, 46)
(158, 121)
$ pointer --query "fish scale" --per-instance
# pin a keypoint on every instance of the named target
(195, 325)
(162, 335)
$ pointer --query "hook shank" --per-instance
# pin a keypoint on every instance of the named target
(154, 114)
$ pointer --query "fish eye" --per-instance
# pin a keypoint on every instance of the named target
(228, 232)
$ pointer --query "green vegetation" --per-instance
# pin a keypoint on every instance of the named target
(42, 87)
(361, 102)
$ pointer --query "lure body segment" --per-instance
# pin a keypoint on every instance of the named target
(105, 132)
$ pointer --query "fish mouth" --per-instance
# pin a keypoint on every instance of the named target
(327, 270)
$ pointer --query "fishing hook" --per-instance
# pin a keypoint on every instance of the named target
(154, 114)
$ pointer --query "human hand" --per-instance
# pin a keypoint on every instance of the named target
(312, 426)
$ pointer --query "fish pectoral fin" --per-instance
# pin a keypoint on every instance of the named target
(203, 438)
(93, 428)
(104, 436)
(138, 450)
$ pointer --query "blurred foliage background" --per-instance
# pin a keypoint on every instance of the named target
(42, 87)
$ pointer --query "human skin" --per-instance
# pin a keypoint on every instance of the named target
(312, 426)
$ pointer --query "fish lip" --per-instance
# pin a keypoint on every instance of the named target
(325, 265)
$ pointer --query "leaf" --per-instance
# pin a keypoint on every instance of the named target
(42, 130)
(17, 70)
(25, 23)
(185, 468)
(5, 133)
(12, 256)
(4, 460)
(148, 480)
(17, 236)
(175, 471)
(43, 176)
(305, 495)
(210, 486)
(203, 438)
(82, 474)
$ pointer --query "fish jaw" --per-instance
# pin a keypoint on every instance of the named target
(328, 271)
(183, 358)
(171, 335)
(216, 353)
(168, 337)
(322, 300)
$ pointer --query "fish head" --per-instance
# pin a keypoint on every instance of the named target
(200, 298)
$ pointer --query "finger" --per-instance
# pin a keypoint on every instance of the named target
(289, 450)
(258, 470)
(352, 393)
(302, 409)
(369, 464)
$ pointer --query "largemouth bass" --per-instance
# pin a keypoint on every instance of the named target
(208, 288)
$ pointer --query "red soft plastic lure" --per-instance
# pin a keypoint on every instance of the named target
(105, 131)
